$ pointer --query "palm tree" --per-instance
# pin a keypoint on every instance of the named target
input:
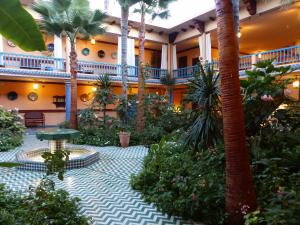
(155, 8)
(125, 5)
(240, 192)
(71, 18)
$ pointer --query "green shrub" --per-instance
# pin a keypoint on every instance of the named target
(41, 206)
(183, 184)
(11, 129)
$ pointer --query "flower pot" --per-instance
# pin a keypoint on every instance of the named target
(124, 139)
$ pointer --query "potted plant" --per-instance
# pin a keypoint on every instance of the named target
(123, 113)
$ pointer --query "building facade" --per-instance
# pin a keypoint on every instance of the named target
(39, 81)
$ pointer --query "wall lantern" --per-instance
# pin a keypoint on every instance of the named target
(259, 55)
(35, 86)
(93, 41)
(94, 89)
(239, 34)
(296, 84)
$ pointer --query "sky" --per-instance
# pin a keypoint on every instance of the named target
(181, 11)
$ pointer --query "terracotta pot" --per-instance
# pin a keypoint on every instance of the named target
(124, 139)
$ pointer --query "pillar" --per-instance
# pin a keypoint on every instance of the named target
(58, 53)
(68, 100)
(164, 57)
(1, 50)
(253, 61)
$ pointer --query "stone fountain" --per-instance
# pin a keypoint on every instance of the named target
(57, 138)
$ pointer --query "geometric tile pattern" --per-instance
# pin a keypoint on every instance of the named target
(103, 187)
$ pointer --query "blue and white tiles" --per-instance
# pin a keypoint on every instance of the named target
(103, 187)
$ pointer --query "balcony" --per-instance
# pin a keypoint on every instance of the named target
(282, 56)
(26, 65)
(42, 66)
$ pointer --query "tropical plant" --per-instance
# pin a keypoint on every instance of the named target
(42, 205)
(18, 26)
(11, 129)
(154, 8)
(204, 92)
(125, 5)
(169, 82)
(263, 92)
(73, 18)
(104, 95)
(240, 189)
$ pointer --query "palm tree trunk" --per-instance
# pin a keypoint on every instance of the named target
(104, 114)
(141, 82)
(124, 34)
(73, 70)
(239, 183)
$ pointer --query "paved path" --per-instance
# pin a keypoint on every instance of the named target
(103, 187)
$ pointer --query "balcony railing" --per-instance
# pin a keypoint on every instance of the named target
(24, 61)
(281, 56)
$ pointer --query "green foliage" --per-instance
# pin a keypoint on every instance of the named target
(263, 92)
(104, 95)
(88, 120)
(11, 129)
(72, 17)
(41, 206)
(204, 92)
(9, 164)
(19, 26)
(183, 184)
(56, 162)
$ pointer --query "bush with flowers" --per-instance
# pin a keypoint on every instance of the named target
(11, 129)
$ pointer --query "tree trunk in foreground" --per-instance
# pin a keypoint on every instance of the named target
(124, 35)
(240, 194)
(140, 120)
(73, 70)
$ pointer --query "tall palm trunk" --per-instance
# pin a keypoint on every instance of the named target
(124, 34)
(141, 82)
(239, 184)
(73, 70)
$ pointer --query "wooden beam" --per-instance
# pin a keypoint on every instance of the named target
(251, 6)
(200, 26)
(172, 37)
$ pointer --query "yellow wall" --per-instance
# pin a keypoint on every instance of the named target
(195, 53)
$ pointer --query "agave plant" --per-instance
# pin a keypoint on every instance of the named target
(204, 92)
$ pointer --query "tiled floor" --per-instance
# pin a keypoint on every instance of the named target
(103, 187)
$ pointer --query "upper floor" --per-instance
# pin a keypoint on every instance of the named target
(273, 33)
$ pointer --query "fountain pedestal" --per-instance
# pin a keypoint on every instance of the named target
(78, 158)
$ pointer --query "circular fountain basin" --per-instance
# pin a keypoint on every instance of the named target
(78, 158)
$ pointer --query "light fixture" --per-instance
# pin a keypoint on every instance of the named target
(239, 34)
(94, 89)
(93, 41)
(296, 84)
(35, 86)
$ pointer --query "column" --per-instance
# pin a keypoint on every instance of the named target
(208, 47)
(68, 100)
(253, 61)
(58, 53)
(202, 47)
(164, 57)
(174, 57)
(119, 60)
(68, 50)
(1, 50)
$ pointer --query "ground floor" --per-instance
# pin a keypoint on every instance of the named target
(103, 187)
(49, 97)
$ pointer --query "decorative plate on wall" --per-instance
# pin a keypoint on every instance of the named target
(101, 54)
(12, 95)
(114, 55)
(84, 97)
(85, 51)
(50, 47)
(11, 44)
(32, 96)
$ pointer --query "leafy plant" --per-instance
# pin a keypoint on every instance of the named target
(20, 27)
(11, 129)
(205, 93)
(104, 95)
(40, 206)
(183, 184)
(263, 92)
